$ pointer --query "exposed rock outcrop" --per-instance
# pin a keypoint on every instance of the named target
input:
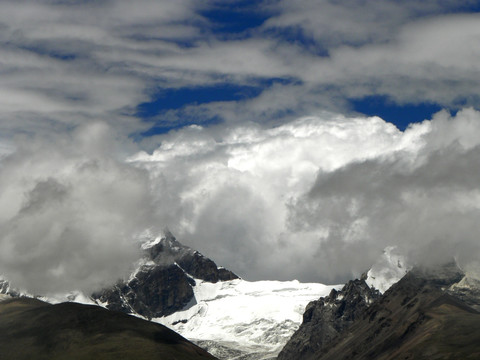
(327, 317)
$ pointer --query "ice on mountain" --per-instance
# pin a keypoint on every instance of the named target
(260, 315)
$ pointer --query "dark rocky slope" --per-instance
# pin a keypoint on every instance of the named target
(32, 329)
(164, 284)
(423, 316)
(326, 318)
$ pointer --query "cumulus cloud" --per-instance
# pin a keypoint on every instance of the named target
(228, 191)
(316, 199)
(319, 198)
(69, 212)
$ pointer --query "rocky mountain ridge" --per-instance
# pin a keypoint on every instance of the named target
(326, 318)
(428, 314)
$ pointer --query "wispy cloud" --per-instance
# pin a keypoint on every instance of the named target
(70, 62)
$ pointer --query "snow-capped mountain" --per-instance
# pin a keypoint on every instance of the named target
(164, 280)
(232, 318)
(177, 286)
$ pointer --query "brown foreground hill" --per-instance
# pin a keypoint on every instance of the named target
(32, 329)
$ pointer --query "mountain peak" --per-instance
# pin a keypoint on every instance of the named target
(163, 283)
(166, 249)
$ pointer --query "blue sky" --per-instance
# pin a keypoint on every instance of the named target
(242, 21)
(158, 66)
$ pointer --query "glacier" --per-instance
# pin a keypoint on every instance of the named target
(245, 319)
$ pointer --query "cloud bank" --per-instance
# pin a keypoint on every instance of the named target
(278, 188)
(69, 212)
(320, 198)
(317, 199)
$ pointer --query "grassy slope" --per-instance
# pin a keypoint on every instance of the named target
(31, 329)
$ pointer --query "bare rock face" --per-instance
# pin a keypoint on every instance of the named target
(164, 284)
(327, 317)
(153, 292)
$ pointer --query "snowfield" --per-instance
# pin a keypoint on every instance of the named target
(255, 317)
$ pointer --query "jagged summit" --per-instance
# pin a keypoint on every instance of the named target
(168, 250)
(165, 243)
(164, 280)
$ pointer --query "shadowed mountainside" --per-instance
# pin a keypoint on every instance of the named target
(326, 318)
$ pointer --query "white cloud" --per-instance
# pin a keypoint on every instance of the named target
(430, 60)
(237, 190)
(69, 212)
(66, 63)
(425, 202)
(319, 198)
(229, 191)
(331, 24)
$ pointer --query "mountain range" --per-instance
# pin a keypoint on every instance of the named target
(179, 287)
(230, 317)
(391, 312)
